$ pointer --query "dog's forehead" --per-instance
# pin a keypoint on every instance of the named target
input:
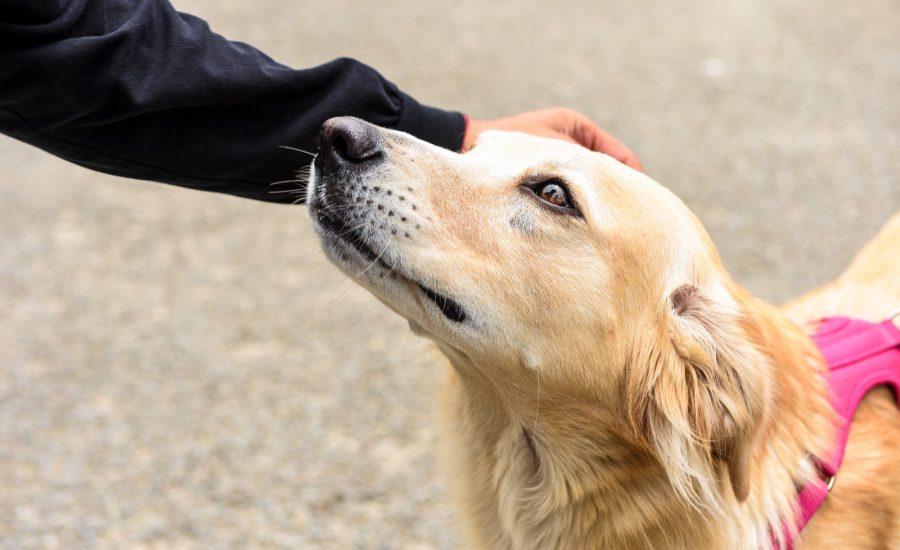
(525, 148)
(614, 197)
(512, 154)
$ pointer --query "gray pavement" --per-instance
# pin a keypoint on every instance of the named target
(185, 370)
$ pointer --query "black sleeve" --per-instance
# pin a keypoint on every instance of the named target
(137, 89)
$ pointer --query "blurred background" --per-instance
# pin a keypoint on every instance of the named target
(180, 369)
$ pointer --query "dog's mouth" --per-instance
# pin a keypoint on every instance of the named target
(450, 308)
(351, 237)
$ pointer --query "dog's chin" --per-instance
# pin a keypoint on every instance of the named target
(348, 247)
(350, 251)
(345, 245)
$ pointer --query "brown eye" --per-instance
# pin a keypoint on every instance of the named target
(554, 194)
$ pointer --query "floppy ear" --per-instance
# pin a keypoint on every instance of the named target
(699, 397)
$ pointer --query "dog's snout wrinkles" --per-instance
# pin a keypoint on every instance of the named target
(345, 142)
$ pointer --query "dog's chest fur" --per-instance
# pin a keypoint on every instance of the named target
(572, 494)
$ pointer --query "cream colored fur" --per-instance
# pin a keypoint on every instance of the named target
(612, 386)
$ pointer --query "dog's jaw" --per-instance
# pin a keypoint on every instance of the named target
(371, 216)
(348, 245)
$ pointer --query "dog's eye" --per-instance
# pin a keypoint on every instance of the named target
(554, 194)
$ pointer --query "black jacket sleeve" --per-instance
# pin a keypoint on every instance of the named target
(137, 89)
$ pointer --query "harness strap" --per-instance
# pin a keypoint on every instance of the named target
(860, 356)
(857, 341)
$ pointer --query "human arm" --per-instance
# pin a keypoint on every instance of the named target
(136, 89)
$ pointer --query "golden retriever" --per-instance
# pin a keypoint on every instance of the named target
(612, 386)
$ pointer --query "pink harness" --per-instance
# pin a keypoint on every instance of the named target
(860, 356)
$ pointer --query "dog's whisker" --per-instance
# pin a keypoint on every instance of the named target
(330, 208)
(375, 261)
(297, 149)
(537, 412)
(337, 209)
(347, 229)
(285, 181)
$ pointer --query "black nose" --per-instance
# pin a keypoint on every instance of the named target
(347, 141)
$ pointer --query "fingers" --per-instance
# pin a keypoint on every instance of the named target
(560, 123)
(584, 131)
(474, 127)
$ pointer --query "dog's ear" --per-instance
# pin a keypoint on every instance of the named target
(699, 397)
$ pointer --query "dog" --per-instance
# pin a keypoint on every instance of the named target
(611, 385)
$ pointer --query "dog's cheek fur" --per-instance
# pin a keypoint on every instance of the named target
(699, 398)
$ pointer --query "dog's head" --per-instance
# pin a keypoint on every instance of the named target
(529, 255)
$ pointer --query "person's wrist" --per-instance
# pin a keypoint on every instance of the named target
(473, 128)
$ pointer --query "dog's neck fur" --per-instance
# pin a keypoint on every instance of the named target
(550, 472)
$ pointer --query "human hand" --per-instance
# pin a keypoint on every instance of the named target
(559, 123)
